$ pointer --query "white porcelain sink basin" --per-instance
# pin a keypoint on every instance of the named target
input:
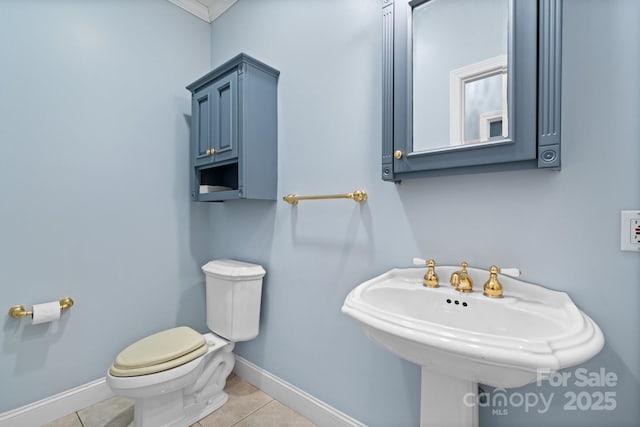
(504, 342)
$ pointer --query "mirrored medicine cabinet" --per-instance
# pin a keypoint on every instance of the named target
(470, 86)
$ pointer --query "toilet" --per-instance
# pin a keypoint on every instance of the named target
(177, 376)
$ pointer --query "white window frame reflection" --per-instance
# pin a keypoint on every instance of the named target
(458, 79)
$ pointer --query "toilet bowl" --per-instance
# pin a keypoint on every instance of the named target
(177, 376)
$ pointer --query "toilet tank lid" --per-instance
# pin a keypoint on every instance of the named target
(233, 270)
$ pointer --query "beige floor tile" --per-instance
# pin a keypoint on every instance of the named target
(275, 414)
(114, 412)
(70, 420)
(244, 399)
(247, 407)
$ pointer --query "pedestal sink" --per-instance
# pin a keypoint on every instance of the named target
(462, 339)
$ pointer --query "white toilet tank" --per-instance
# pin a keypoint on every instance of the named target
(234, 291)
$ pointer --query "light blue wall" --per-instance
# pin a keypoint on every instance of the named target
(95, 202)
(560, 228)
(94, 197)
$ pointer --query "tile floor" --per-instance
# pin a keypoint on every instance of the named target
(247, 407)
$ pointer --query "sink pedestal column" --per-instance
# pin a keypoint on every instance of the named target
(447, 402)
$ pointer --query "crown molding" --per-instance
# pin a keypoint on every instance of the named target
(218, 7)
(208, 10)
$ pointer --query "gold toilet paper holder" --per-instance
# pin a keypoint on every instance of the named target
(18, 311)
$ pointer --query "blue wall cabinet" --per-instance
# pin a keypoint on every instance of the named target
(234, 137)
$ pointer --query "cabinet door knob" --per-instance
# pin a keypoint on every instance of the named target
(398, 154)
(208, 152)
(211, 152)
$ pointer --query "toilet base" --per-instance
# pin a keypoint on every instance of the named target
(200, 394)
(190, 415)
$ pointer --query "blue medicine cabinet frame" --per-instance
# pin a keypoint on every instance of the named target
(534, 97)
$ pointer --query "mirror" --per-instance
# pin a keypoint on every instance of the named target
(459, 59)
(470, 86)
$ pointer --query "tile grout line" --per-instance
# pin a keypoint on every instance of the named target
(253, 412)
(79, 419)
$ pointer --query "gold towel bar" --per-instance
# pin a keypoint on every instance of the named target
(358, 196)
(18, 311)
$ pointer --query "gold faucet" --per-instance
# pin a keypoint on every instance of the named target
(431, 278)
(461, 279)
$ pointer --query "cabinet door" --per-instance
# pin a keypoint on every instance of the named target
(201, 126)
(224, 119)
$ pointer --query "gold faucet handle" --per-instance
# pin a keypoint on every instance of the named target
(430, 278)
(492, 287)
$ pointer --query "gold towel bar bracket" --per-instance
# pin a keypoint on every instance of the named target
(18, 311)
(357, 196)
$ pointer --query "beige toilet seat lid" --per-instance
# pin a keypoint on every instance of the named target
(159, 352)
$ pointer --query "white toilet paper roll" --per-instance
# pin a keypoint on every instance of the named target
(47, 312)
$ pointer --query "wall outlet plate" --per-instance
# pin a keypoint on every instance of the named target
(630, 231)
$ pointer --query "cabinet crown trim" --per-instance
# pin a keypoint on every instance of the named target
(231, 65)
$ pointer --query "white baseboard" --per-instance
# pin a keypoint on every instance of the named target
(303, 403)
(51, 408)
